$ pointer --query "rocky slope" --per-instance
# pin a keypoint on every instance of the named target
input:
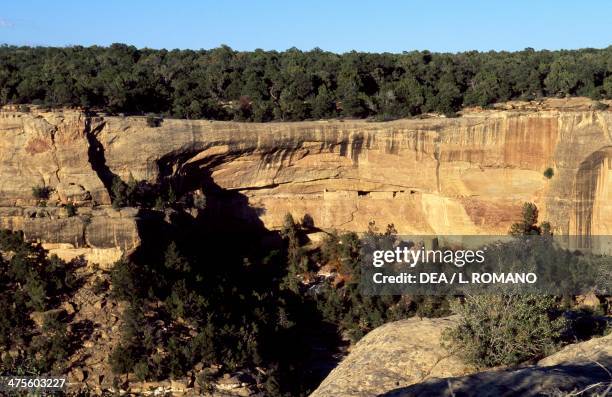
(467, 175)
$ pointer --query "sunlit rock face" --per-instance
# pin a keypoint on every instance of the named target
(467, 175)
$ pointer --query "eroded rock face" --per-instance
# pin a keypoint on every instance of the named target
(101, 235)
(468, 175)
(45, 149)
(394, 355)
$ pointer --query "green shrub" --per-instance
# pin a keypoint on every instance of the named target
(119, 193)
(154, 121)
(71, 209)
(505, 330)
(600, 106)
(528, 226)
(549, 173)
(41, 192)
(124, 281)
(141, 370)
(122, 360)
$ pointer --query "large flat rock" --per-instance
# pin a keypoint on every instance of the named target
(583, 366)
(393, 355)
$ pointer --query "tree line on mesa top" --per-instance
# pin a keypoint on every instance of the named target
(223, 84)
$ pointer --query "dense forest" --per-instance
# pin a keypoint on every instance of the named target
(224, 299)
(215, 298)
(224, 84)
(33, 283)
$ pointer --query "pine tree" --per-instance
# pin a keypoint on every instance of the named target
(296, 264)
(119, 193)
(529, 223)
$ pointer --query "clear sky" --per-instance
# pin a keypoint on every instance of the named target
(339, 26)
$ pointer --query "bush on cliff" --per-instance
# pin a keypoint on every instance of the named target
(119, 193)
(529, 223)
(71, 209)
(505, 330)
(549, 173)
(41, 192)
(153, 121)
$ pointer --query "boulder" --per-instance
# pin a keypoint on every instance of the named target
(39, 317)
(596, 349)
(589, 300)
(69, 307)
(78, 375)
(396, 354)
(526, 382)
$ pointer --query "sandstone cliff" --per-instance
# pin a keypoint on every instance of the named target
(466, 175)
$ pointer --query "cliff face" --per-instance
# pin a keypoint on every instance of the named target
(468, 175)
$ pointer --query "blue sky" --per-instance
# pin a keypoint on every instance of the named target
(338, 26)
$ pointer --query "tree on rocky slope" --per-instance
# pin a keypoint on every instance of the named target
(529, 223)
(32, 285)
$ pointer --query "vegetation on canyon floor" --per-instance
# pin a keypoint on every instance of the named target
(223, 84)
(203, 291)
(30, 283)
(258, 310)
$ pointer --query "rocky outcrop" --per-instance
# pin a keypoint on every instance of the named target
(101, 235)
(466, 175)
(594, 350)
(46, 149)
(583, 367)
(405, 358)
(95, 228)
(394, 355)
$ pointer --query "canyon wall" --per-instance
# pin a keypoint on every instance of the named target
(466, 175)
